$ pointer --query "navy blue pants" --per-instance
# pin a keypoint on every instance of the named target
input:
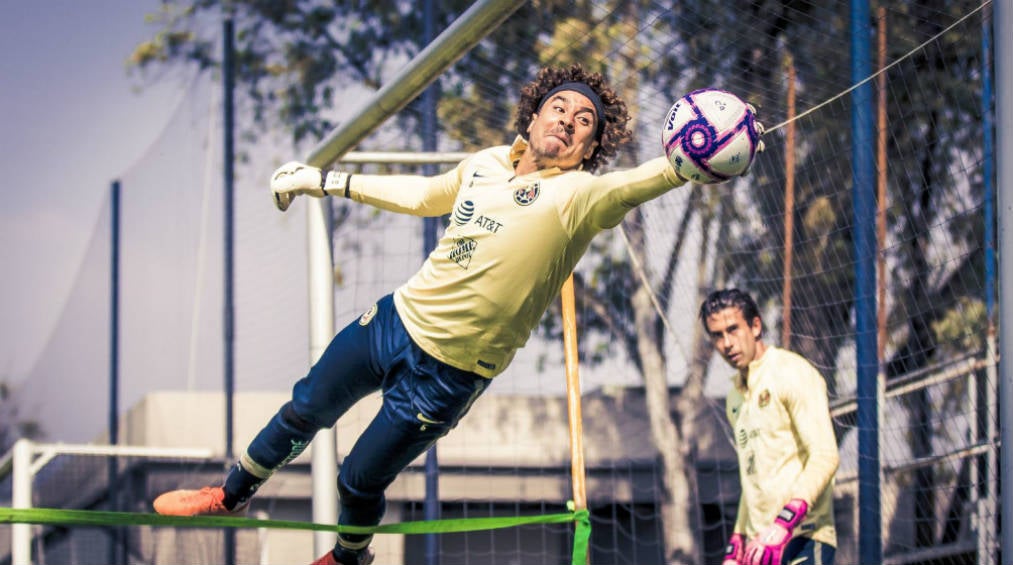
(806, 551)
(423, 399)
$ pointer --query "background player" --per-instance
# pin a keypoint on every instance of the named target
(784, 439)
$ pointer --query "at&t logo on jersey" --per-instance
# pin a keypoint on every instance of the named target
(527, 194)
(463, 212)
(488, 223)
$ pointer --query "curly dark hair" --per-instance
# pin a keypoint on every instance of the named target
(616, 115)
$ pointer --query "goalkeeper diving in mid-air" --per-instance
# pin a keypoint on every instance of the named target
(522, 215)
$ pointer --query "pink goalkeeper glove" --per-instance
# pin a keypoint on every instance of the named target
(767, 547)
(735, 550)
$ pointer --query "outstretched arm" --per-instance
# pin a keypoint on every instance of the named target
(610, 196)
(408, 194)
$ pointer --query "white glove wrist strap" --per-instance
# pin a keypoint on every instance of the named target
(336, 183)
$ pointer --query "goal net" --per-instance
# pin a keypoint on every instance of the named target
(661, 473)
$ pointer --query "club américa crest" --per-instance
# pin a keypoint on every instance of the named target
(527, 194)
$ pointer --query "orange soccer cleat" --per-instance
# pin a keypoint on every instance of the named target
(208, 501)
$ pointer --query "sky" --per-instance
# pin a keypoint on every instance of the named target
(72, 121)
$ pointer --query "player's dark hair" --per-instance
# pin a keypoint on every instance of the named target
(615, 119)
(730, 298)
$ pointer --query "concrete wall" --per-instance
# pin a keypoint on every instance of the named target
(509, 456)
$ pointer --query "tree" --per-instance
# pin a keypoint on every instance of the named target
(295, 57)
(934, 136)
(289, 59)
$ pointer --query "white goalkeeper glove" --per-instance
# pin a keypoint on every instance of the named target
(295, 178)
(760, 130)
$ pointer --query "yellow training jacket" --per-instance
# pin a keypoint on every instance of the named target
(511, 243)
(785, 443)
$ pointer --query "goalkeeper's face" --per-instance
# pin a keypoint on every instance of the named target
(562, 133)
(735, 338)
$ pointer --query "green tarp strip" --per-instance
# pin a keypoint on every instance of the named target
(59, 517)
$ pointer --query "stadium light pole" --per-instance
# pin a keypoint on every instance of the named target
(870, 548)
(431, 505)
(1003, 34)
(116, 534)
(987, 508)
(228, 313)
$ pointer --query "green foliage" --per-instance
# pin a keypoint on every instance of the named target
(962, 329)
(294, 58)
(291, 57)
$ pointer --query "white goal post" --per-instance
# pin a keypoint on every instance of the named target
(26, 458)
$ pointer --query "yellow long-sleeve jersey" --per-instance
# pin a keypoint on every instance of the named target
(785, 443)
(511, 243)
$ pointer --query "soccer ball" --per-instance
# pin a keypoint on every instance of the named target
(710, 136)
